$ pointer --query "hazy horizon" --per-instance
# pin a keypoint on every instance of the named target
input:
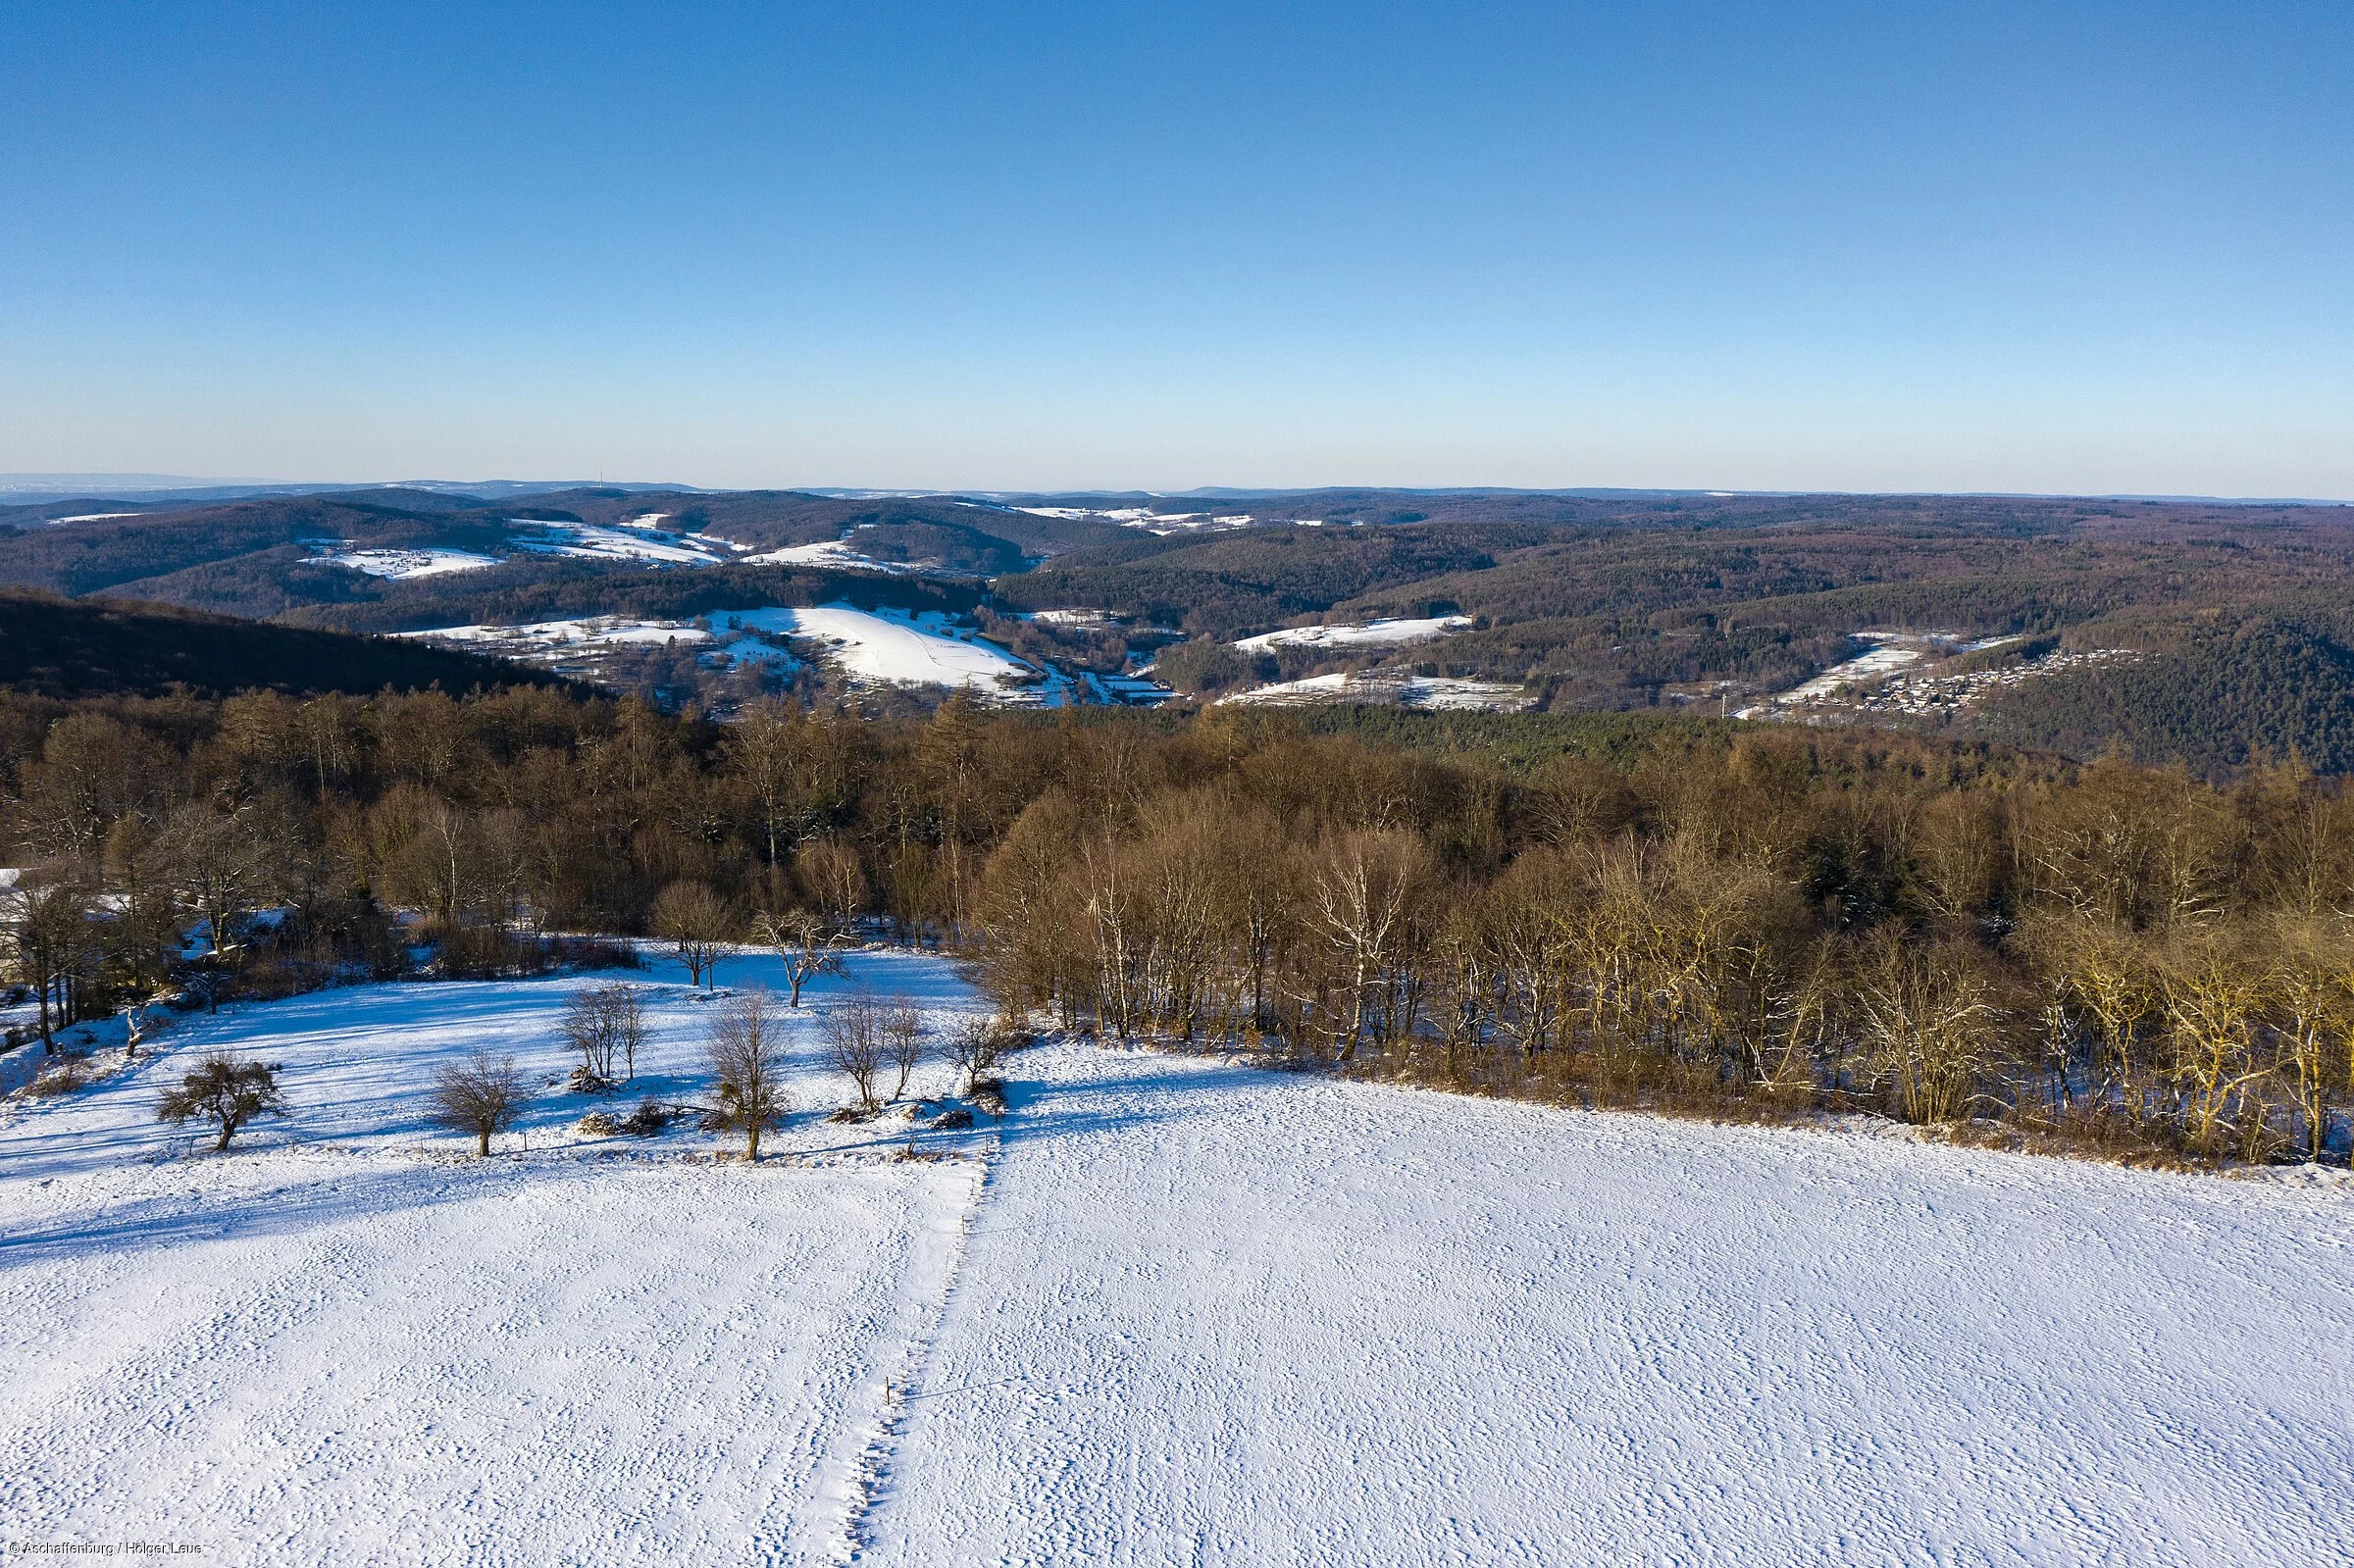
(64, 484)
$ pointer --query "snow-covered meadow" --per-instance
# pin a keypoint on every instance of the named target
(1173, 1310)
(1398, 686)
(1352, 635)
(877, 647)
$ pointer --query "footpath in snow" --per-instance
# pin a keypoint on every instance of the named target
(1177, 1312)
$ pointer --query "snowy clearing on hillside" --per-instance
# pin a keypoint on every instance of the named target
(582, 647)
(92, 517)
(540, 638)
(834, 553)
(1142, 517)
(399, 564)
(1391, 688)
(1370, 634)
(631, 542)
(1877, 681)
(1172, 1310)
(894, 649)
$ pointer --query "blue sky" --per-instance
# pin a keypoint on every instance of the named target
(2018, 247)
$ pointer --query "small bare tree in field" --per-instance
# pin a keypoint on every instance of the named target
(481, 1095)
(904, 1035)
(697, 923)
(854, 1042)
(973, 1046)
(601, 1022)
(804, 945)
(747, 1057)
(626, 1011)
(225, 1092)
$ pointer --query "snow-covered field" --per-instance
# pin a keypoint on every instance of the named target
(348, 1340)
(637, 539)
(834, 554)
(570, 647)
(1144, 517)
(884, 646)
(1389, 686)
(1176, 1311)
(1370, 634)
(400, 565)
(893, 647)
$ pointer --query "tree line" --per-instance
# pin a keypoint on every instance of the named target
(1723, 919)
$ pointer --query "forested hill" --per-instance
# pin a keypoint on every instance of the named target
(76, 647)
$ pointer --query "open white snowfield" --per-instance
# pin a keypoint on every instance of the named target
(1370, 634)
(893, 647)
(1398, 686)
(401, 564)
(1174, 1311)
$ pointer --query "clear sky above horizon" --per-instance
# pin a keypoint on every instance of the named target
(1996, 246)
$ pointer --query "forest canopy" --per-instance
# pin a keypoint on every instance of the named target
(1735, 919)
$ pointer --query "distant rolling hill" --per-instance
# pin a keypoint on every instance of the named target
(1577, 601)
(80, 647)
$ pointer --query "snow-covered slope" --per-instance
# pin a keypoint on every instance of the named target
(1388, 686)
(1370, 634)
(401, 564)
(1178, 1311)
(891, 647)
(348, 1340)
(637, 539)
(1212, 1315)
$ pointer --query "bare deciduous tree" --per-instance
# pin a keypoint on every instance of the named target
(854, 1044)
(483, 1094)
(625, 1010)
(1930, 1023)
(224, 1091)
(697, 923)
(835, 881)
(804, 945)
(747, 1056)
(904, 1033)
(973, 1045)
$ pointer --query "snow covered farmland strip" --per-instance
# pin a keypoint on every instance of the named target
(1213, 1315)
(1387, 687)
(1371, 633)
(400, 565)
(890, 647)
(637, 540)
(835, 553)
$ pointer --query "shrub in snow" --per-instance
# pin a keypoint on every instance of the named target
(479, 1095)
(650, 1117)
(599, 1124)
(747, 1057)
(61, 1077)
(952, 1121)
(225, 1092)
(973, 1046)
